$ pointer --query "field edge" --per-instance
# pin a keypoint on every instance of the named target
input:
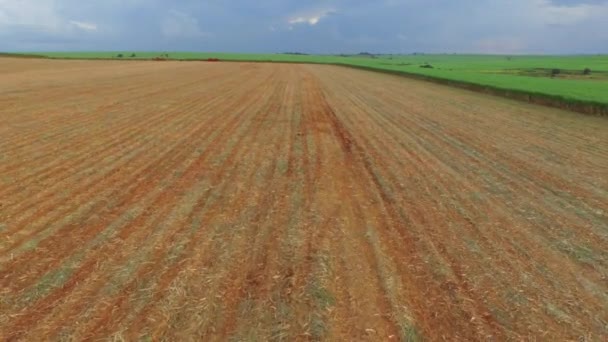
(538, 98)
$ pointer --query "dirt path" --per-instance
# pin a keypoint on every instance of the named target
(214, 201)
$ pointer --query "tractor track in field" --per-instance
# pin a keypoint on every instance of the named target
(165, 278)
(243, 201)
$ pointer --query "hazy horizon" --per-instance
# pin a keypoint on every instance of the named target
(422, 53)
(495, 27)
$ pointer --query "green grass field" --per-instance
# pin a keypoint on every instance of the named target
(525, 74)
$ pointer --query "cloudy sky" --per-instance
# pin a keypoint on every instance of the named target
(314, 26)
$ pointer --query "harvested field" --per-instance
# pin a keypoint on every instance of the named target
(208, 201)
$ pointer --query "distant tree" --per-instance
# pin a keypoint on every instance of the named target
(555, 72)
(366, 54)
(133, 55)
(587, 71)
(119, 55)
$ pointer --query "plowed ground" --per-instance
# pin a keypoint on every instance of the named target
(213, 201)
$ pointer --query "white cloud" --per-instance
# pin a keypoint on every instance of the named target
(84, 25)
(553, 14)
(41, 14)
(300, 20)
(181, 25)
(311, 19)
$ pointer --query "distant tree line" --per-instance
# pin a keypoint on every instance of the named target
(133, 55)
(120, 55)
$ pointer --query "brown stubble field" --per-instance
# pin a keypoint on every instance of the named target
(241, 201)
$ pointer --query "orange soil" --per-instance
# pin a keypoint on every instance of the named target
(268, 201)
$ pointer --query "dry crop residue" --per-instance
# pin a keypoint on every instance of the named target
(243, 201)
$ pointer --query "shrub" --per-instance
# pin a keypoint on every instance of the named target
(555, 72)
(119, 55)
(133, 55)
(587, 71)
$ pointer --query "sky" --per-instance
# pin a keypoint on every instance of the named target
(313, 26)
